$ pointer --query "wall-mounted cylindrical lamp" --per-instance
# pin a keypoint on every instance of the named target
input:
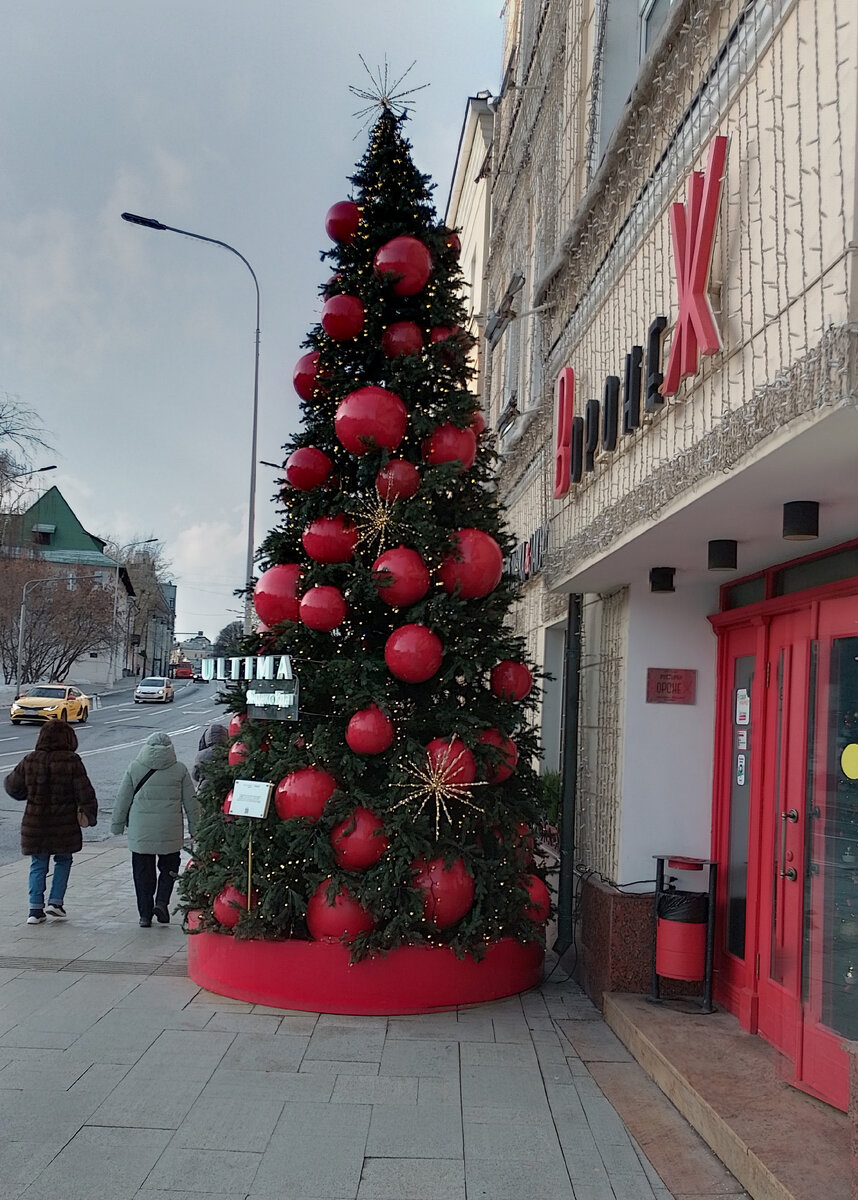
(723, 554)
(801, 520)
(661, 579)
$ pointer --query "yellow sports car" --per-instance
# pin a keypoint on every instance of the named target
(50, 702)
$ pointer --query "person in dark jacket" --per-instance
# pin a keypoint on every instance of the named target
(152, 794)
(214, 736)
(53, 781)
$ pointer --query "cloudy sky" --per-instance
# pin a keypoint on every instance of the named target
(232, 119)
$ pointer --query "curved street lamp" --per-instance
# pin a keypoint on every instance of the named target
(151, 223)
(22, 620)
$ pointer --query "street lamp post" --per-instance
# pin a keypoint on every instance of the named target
(22, 620)
(151, 223)
(25, 474)
(119, 550)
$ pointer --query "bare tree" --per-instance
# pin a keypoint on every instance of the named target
(21, 433)
(69, 612)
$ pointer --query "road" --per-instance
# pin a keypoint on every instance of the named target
(107, 743)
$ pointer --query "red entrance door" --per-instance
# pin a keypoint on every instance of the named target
(793, 972)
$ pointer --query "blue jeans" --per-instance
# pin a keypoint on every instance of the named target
(38, 874)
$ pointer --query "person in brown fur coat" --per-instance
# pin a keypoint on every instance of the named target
(53, 781)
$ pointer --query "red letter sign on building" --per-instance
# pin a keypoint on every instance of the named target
(563, 412)
(693, 230)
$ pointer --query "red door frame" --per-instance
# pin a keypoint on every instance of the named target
(744, 631)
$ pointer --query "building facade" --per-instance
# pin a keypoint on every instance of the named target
(671, 370)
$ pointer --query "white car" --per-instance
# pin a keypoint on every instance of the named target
(155, 689)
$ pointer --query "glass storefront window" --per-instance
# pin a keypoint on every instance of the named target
(740, 806)
(831, 911)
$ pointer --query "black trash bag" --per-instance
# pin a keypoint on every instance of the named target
(691, 908)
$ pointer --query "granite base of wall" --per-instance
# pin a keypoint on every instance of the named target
(616, 944)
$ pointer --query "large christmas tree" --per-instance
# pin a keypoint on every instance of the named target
(405, 792)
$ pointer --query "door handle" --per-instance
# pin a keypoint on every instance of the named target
(790, 815)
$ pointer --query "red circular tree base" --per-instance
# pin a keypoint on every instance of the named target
(318, 977)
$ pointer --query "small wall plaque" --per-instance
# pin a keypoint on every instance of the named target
(669, 685)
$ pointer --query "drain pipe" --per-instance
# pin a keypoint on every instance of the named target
(569, 783)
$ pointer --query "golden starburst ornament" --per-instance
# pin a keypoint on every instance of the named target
(434, 782)
(379, 522)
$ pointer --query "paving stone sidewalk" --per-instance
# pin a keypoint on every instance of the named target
(121, 1079)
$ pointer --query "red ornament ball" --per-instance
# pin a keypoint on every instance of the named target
(330, 539)
(413, 653)
(341, 921)
(408, 260)
(369, 731)
(540, 899)
(342, 317)
(230, 904)
(449, 443)
(235, 723)
(454, 243)
(401, 577)
(511, 680)
(227, 805)
(478, 423)
(359, 841)
(370, 416)
(275, 596)
(402, 337)
(308, 468)
(442, 332)
(323, 608)
(305, 374)
(397, 480)
(303, 793)
(451, 759)
(475, 566)
(498, 772)
(237, 753)
(341, 221)
(449, 891)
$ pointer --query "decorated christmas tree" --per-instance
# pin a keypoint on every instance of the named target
(404, 793)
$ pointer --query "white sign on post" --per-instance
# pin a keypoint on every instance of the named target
(250, 798)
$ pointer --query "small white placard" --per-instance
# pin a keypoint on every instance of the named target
(250, 798)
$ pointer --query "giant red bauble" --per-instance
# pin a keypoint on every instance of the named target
(227, 805)
(478, 423)
(330, 539)
(275, 596)
(397, 480)
(449, 891)
(230, 904)
(498, 772)
(402, 337)
(304, 374)
(235, 723)
(475, 566)
(341, 221)
(540, 899)
(341, 921)
(449, 443)
(323, 608)
(359, 841)
(307, 468)
(511, 680)
(408, 260)
(237, 754)
(413, 653)
(454, 243)
(370, 416)
(342, 317)
(369, 731)
(451, 759)
(400, 576)
(303, 793)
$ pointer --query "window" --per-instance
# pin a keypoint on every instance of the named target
(653, 16)
(42, 534)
